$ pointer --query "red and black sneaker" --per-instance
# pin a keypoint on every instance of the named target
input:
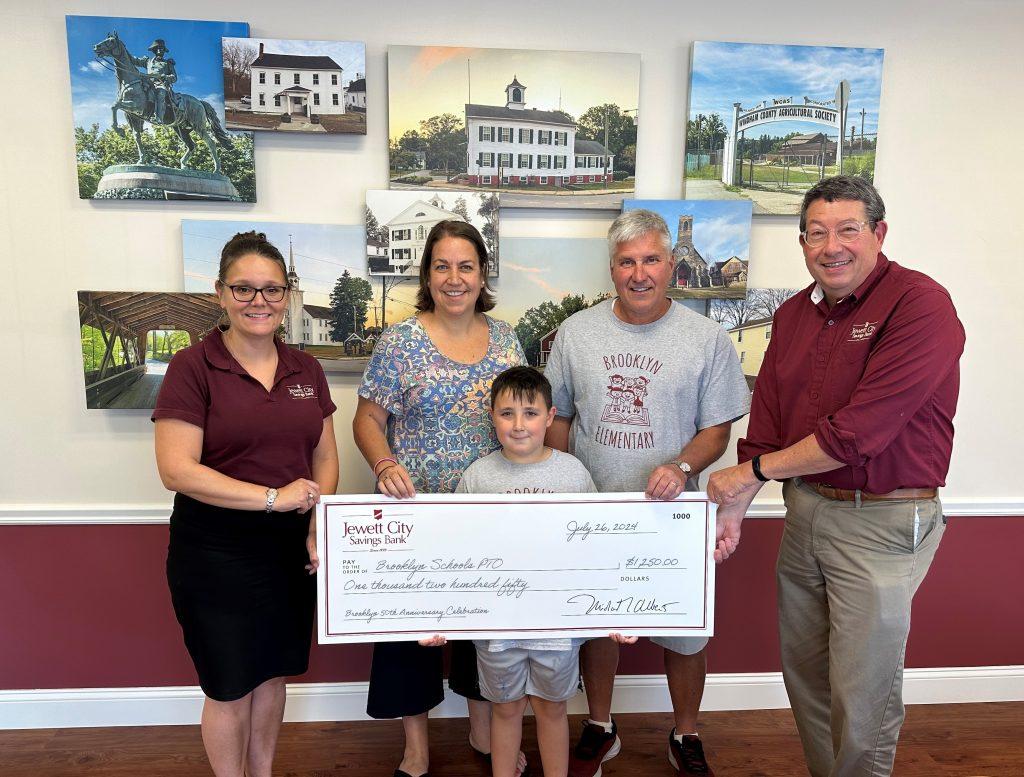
(687, 757)
(594, 748)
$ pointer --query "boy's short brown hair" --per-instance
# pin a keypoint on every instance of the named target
(524, 383)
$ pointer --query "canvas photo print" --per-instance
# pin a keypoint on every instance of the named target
(547, 128)
(543, 282)
(308, 86)
(749, 324)
(129, 337)
(148, 107)
(710, 245)
(398, 222)
(336, 310)
(767, 122)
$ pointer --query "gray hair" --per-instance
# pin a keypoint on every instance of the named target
(845, 187)
(634, 224)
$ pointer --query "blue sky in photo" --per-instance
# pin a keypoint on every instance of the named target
(322, 252)
(193, 45)
(350, 55)
(725, 73)
(721, 228)
(536, 270)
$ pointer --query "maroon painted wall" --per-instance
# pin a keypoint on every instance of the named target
(87, 606)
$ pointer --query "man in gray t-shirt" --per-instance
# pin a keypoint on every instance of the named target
(646, 392)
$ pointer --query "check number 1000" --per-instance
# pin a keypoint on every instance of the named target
(680, 516)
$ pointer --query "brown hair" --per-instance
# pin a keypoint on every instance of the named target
(523, 384)
(245, 243)
(845, 187)
(460, 229)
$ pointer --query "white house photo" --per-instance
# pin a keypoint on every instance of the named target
(513, 144)
(296, 83)
(399, 221)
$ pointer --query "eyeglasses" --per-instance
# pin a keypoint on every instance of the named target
(846, 232)
(248, 293)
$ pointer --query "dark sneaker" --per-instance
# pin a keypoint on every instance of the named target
(594, 748)
(687, 757)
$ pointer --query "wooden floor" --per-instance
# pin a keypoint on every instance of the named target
(965, 740)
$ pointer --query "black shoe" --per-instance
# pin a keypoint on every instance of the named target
(594, 748)
(687, 757)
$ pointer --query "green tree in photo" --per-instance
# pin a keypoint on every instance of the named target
(461, 208)
(97, 151)
(404, 151)
(93, 348)
(715, 131)
(489, 231)
(862, 165)
(374, 229)
(626, 159)
(162, 344)
(695, 134)
(621, 131)
(350, 302)
(538, 321)
(445, 142)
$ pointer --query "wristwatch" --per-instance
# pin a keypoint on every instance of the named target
(686, 468)
(271, 498)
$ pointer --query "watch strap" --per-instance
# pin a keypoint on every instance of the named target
(755, 464)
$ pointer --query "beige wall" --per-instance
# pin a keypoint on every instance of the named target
(951, 79)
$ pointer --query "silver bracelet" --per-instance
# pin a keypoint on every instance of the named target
(271, 498)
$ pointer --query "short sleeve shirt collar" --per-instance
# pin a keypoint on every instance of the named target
(218, 356)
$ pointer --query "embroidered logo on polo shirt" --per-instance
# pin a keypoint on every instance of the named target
(862, 331)
(299, 391)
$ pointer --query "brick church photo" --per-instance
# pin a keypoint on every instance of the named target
(710, 245)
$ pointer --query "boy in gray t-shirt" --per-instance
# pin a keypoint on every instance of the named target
(543, 672)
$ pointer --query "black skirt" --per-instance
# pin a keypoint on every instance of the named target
(408, 679)
(241, 593)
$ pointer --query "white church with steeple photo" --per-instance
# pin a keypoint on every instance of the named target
(304, 324)
(514, 145)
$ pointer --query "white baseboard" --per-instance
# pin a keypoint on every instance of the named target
(310, 702)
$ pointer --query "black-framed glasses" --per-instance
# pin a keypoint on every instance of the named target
(243, 293)
(846, 232)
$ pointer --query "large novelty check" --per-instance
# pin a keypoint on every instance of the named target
(514, 566)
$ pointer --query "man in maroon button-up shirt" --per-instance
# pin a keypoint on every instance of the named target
(853, 408)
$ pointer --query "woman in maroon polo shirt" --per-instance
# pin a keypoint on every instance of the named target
(422, 419)
(245, 437)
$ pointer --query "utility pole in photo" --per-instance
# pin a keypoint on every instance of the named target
(605, 155)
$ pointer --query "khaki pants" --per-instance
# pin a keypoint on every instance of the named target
(846, 577)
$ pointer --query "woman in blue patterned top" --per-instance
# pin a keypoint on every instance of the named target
(422, 419)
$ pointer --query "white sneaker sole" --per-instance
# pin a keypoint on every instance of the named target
(612, 752)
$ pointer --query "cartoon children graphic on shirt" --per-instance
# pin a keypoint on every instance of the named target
(615, 394)
(639, 386)
(627, 396)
